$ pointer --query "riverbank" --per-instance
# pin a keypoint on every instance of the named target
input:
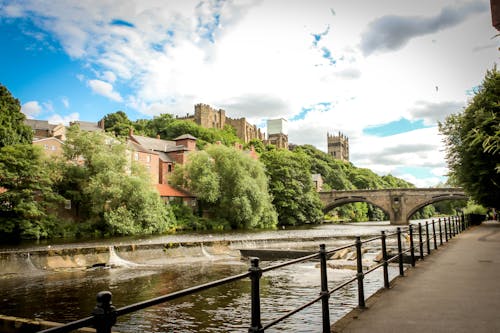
(453, 290)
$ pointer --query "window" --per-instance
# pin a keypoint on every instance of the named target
(148, 158)
(169, 168)
(136, 156)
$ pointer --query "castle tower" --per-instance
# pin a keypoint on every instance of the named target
(208, 117)
(338, 146)
(277, 133)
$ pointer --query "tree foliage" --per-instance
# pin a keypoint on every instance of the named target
(230, 186)
(28, 203)
(290, 183)
(117, 123)
(472, 140)
(111, 201)
(12, 127)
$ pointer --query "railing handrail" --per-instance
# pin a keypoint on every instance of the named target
(256, 272)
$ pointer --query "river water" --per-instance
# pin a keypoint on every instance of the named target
(68, 295)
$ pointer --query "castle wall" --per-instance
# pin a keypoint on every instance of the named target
(208, 117)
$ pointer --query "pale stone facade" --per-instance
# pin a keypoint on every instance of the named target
(338, 146)
(208, 117)
(277, 133)
(51, 146)
(280, 140)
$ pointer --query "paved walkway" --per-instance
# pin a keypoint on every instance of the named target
(455, 289)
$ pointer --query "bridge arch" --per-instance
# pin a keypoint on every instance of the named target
(399, 204)
(436, 199)
(342, 201)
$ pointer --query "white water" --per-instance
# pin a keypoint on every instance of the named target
(116, 261)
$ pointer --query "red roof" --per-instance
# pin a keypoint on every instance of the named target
(166, 190)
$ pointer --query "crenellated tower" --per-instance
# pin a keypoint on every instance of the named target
(338, 146)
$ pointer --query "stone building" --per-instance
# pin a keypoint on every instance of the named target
(208, 117)
(277, 133)
(42, 129)
(338, 146)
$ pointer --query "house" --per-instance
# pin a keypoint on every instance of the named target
(317, 181)
(169, 152)
(51, 146)
(148, 158)
(42, 129)
(158, 156)
(170, 194)
(89, 126)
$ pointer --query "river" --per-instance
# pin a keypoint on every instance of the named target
(67, 295)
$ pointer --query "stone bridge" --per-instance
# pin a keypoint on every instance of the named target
(400, 204)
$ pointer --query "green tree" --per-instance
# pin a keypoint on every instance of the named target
(257, 144)
(230, 186)
(472, 141)
(12, 127)
(113, 197)
(290, 183)
(28, 204)
(117, 123)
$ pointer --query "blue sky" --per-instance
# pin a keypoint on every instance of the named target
(382, 73)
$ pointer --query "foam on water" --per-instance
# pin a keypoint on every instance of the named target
(116, 261)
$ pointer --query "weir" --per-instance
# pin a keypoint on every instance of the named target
(37, 261)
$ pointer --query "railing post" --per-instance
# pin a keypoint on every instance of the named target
(445, 230)
(325, 295)
(427, 238)
(434, 234)
(412, 246)
(440, 233)
(421, 242)
(455, 225)
(360, 275)
(384, 258)
(452, 227)
(400, 253)
(104, 312)
(255, 275)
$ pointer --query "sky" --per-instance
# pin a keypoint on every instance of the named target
(383, 73)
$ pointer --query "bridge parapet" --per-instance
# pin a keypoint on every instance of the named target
(398, 203)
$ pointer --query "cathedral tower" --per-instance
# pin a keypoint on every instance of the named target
(338, 146)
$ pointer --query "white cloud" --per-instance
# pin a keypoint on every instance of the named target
(108, 76)
(261, 59)
(104, 89)
(12, 10)
(31, 109)
(421, 182)
(393, 32)
(63, 119)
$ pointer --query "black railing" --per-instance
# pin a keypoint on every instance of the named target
(104, 315)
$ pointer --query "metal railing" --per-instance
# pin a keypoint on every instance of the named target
(104, 315)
